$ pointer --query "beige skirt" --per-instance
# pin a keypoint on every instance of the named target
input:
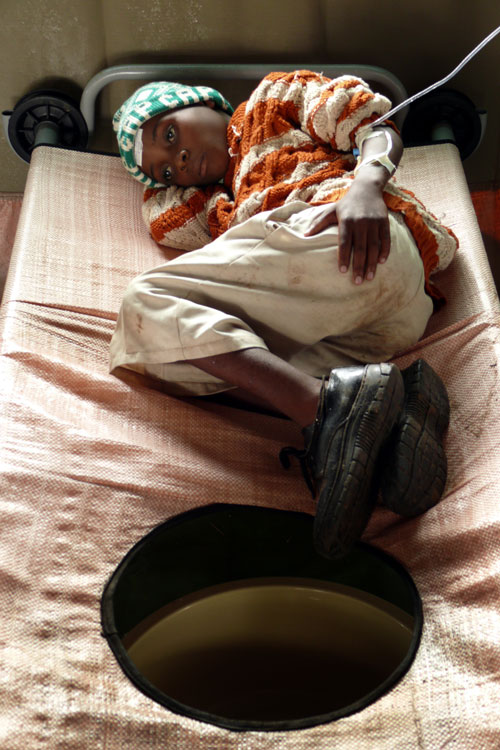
(265, 284)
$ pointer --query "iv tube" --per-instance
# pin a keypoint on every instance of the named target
(434, 85)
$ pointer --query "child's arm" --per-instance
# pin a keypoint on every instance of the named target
(329, 111)
(181, 218)
(334, 112)
(362, 214)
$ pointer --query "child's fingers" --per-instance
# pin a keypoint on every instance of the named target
(369, 244)
(361, 244)
(372, 254)
(345, 245)
(385, 242)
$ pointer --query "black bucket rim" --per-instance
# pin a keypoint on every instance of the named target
(113, 637)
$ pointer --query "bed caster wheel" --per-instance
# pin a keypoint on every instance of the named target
(45, 117)
(443, 115)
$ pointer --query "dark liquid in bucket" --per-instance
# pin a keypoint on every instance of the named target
(271, 651)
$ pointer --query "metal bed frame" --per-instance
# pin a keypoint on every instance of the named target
(54, 119)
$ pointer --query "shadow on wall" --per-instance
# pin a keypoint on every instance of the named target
(56, 83)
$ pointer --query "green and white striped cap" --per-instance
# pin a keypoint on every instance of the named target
(151, 100)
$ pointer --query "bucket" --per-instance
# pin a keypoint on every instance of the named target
(228, 615)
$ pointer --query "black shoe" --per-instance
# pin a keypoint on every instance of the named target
(413, 463)
(358, 409)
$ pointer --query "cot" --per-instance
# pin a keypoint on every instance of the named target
(91, 462)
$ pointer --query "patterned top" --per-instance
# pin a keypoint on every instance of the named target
(292, 140)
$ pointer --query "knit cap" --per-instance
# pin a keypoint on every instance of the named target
(148, 101)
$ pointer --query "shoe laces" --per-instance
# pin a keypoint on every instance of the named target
(305, 455)
(304, 459)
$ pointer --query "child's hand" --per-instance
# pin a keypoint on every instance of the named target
(364, 232)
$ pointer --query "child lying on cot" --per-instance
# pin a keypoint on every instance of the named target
(307, 271)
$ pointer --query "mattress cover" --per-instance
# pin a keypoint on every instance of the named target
(90, 463)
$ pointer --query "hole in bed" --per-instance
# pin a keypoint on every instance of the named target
(226, 614)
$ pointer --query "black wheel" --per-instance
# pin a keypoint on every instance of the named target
(451, 107)
(49, 107)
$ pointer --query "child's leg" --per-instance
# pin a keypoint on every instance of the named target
(246, 313)
(268, 378)
(346, 424)
(264, 284)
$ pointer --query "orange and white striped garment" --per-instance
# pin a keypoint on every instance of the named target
(292, 140)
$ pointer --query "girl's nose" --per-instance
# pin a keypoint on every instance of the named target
(182, 159)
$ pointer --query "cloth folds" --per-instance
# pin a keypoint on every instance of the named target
(266, 284)
(90, 463)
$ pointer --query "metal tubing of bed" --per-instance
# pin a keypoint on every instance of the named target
(226, 72)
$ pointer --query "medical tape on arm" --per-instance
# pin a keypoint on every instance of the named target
(138, 148)
(381, 157)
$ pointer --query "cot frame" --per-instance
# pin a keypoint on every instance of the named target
(223, 72)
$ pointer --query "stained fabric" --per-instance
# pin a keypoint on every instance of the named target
(266, 284)
(90, 463)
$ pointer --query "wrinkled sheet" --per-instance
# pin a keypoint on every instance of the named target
(90, 463)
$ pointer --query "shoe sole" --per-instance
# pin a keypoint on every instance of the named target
(346, 501)
(415, 467)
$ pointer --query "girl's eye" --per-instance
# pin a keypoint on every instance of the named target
(170, 134)
(167, 175)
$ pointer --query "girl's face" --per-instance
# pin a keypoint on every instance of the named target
(186, 147)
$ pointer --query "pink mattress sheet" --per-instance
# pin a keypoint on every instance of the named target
(90, 463)
(10, 207)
